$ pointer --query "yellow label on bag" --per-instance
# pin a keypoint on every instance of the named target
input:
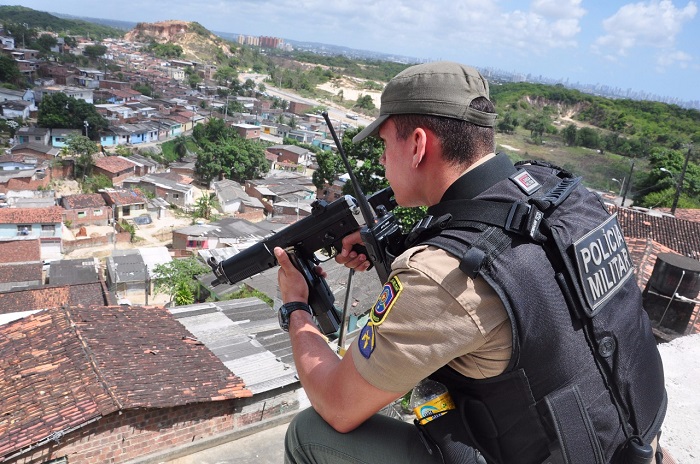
(434, 408)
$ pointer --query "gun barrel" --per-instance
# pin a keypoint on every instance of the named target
(247, 263)
(325, 228)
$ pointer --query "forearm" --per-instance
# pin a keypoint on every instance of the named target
(336, 390)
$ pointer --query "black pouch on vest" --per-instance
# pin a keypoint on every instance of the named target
(445, 437)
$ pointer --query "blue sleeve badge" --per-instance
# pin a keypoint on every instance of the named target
(385, 301)
(365, 340)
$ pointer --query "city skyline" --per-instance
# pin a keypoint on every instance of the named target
(648, 46)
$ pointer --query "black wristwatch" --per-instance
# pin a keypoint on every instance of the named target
(287, 309)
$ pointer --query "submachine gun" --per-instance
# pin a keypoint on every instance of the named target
(323, 231)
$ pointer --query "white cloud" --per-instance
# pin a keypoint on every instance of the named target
(679, 58)
(652, 23)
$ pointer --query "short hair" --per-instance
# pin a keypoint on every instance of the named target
(462, 142)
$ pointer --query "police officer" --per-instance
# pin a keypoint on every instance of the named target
(485, 313)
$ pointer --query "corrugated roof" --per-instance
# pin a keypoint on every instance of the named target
(245, 335)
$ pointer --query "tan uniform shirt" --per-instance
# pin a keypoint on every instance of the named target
(431, 314)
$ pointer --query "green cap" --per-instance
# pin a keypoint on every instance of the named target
(442, 88)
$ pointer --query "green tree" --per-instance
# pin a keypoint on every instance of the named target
(569, 133)
(204, 206)
(58, 111)
(177, 278)
(508, 123)
(236, 158)
(365, 102)
(225, 74)
(95, 51)
(537, 126)
(94, 184)
(45, 42)
(588, 137)
(9, 71)
(83, 149)
(180, 146)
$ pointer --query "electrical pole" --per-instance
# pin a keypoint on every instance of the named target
(679, 184)
(629, 182)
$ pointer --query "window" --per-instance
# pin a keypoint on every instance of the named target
(81, 214)
(24, 229)
(176, 195)
(48, 230)
(97, 212)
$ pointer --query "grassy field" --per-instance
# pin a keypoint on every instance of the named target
(597, 169)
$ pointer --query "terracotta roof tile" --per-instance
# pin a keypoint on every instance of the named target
(90, 294)
(50, 215)
(21, 273)
(20, 251)
(124, 197)
(83, 200)
(63, 367)
(681, 236)
(114, 164)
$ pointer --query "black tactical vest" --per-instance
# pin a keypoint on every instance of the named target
(585, 375)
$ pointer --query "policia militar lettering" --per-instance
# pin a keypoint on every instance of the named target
(582, 380)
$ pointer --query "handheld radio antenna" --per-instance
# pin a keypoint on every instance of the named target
(359, 196)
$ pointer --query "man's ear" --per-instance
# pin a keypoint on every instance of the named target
(420, 142)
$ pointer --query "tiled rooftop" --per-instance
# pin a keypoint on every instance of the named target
(680, 235)
(53, 297)
(48, 215)
(64, 367)
(20, 251)
(21, 273)
(83, 200)
(114, 164)
(125, 197)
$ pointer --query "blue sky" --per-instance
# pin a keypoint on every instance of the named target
(650, 45)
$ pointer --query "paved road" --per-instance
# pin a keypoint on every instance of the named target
(334, 112)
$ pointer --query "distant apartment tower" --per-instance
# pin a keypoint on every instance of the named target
(262, 41)
(249, 40)
(270, 42)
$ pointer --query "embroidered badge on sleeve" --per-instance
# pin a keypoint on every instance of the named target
(381, 308)
(366, 340)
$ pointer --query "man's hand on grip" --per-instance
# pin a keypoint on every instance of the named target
(350, 258)
(293, 286)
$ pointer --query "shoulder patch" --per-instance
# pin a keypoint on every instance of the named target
(365, 341)
(604, 263)
(525, 182)
(385, 301)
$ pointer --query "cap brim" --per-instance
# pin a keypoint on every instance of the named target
(370, 130)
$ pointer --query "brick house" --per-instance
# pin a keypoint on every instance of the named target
(37, 151)
(85, 209)
(297, 157)
(127, 203)
(44, 224)
(163, 186)
(247, 131)
(115, 168)
(299, 108)
(35, 135)
(109, 384)
(25, 179)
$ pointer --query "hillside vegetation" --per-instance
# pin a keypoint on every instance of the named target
(14, 18)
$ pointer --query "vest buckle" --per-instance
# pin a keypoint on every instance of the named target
(525, 219)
